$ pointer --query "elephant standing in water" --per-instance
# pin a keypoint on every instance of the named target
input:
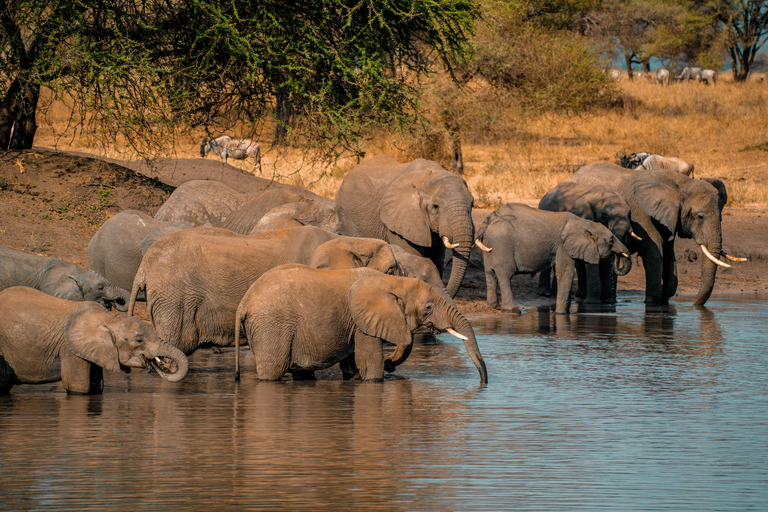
(665, 204)
(46, 339)
(598, 204)
(59, 278)
(116, 250)
(299, 319)
(518, 239)
(194, 304)
(419, 206)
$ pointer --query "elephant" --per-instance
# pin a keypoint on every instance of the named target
(662, 76)
(597, 204)
(47, 339)
(518, 239)
(59, 278)
(410, 265)
(299, 319)
(195, 304)
(419, 206)
(115, 251)
(285, 208)
(207, 201)
(664, 204)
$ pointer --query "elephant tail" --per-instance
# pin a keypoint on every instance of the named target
(139, 284)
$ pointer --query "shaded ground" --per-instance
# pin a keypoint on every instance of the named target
(51, 203)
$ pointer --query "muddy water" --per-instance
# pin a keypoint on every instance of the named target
(625, 409)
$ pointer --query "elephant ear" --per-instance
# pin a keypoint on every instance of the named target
(402, 210)
(659, 198)
(722, 193)
(580, 242)
(582, 208)
(89, 338)
(377, 310)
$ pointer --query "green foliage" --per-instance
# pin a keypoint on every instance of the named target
(3, 184)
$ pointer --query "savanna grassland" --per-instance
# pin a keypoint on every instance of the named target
(722, 129)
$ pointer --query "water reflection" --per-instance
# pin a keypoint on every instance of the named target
(629, 407)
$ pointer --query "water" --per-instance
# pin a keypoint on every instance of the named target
(632, 409)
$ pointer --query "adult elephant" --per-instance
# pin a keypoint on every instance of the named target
(597, 204)
(195, 303)
(59, 278)
(47, 339)
(300, 319)
(116, 250)
(419, 206)
(665, 204)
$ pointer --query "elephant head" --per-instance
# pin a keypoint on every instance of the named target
(591, 242)
(396, 308)
(314, 212)
(71, 282)
(349, 252)
(117, 342)
(429, 206)
(690, 208)
(410, 265)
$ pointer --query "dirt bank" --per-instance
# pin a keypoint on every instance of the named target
(51, 203)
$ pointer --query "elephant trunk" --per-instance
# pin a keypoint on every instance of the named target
(462, 233)
(118, 298)
(461, 325)
(170, 363)
(708, 272)
(622, 264)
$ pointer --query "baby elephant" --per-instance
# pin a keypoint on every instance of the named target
(46, 339)
(300, 319)
(59, 278)
(518, 239)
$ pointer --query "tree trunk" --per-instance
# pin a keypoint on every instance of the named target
(283, 111)
(25, 125)
(454, 142)
(8, 112)
(646, 64)
(628, 59)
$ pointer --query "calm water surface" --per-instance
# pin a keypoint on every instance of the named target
(625, 409)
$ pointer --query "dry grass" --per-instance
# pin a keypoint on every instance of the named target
(722, 129)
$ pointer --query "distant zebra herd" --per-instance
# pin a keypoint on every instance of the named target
(662, 75)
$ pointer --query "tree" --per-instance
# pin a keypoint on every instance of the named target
(325, 70)
(746, 28)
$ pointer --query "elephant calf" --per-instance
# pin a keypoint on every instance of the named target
(46, 339)
(300, 319)
(518, 239)
(59, 278)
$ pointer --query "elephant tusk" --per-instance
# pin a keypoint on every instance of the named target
(482, 246)
(157, 358)
(625, 255)
(733, 258)
(448, 244)
(457, 334)
(714, 260)
(635, 236)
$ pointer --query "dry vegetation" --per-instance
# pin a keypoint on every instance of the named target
(723, 130)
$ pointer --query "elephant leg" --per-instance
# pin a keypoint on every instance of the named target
(608, 282)
(349, 368)
(669, 273)
(653, 265)
(303, 374)
(369, 356)
(7, 377)
(544, 278)
(588, 278)
(490, 283)
(80, 377)
(271, 351)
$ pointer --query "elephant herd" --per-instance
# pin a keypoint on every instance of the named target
(310, 282)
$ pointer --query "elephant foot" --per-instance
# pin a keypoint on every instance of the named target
(389, 366)
(515, 310)
(544, 292)
(592, 300)
(303, 375)
(216, 350)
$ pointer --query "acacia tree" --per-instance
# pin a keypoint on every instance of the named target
(143, 68)
(746, 28)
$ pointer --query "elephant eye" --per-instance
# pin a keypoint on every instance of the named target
(139, 340)
(435, 206)
(428, 308)
(101, 287)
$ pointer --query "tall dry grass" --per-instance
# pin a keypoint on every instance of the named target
(722, 129)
